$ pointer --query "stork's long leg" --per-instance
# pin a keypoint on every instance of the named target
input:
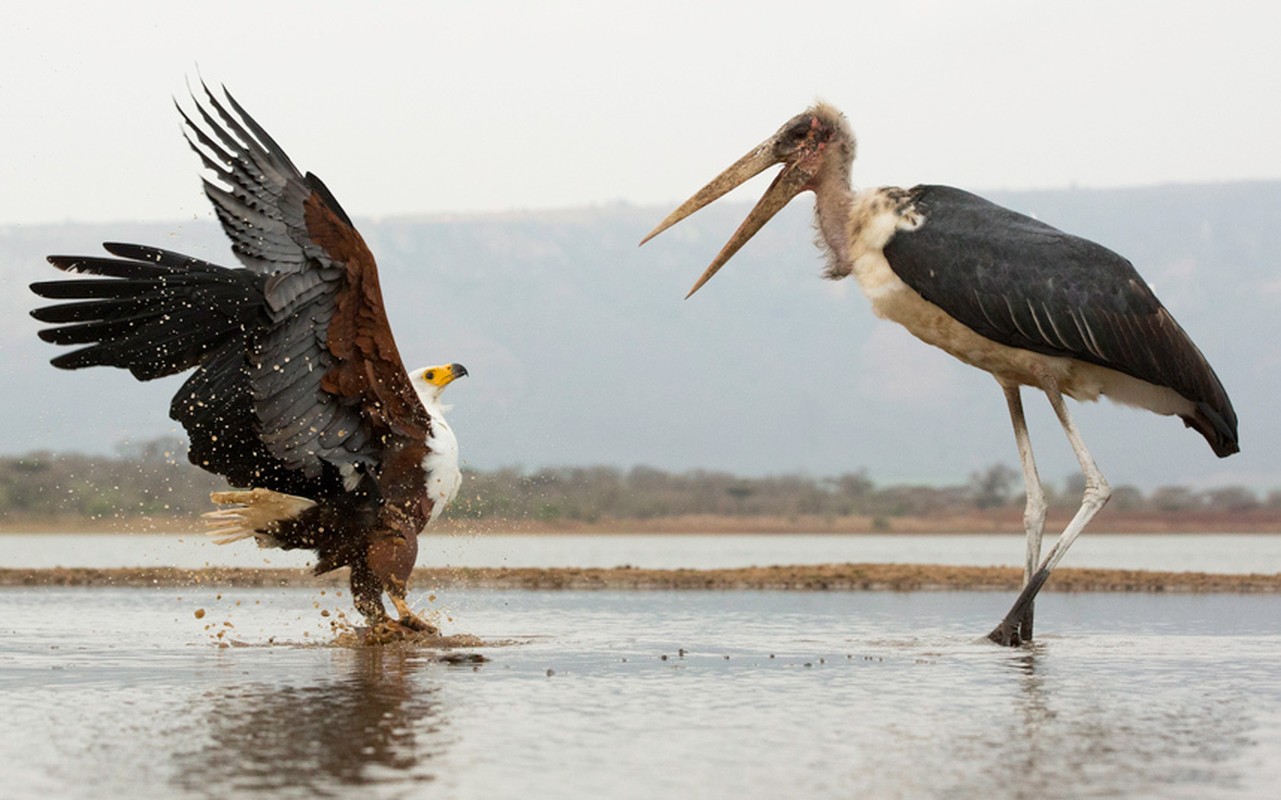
(1034, 510)
(1097, 492)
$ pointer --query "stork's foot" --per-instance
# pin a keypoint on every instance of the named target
(1016, 628)
(1013, 633)
(1025, 626)
(1007, 634)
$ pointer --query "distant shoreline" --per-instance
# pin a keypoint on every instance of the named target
(1004, 520)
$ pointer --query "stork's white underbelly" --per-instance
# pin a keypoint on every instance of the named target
(894, 300)
(441, 465)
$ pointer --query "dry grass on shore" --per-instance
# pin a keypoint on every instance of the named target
(825, 577)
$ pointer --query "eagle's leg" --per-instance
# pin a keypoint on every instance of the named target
(391, 559)
(408, 618)
(367, 594)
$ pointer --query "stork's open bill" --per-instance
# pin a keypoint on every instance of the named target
(299, 395)
(1028, 303)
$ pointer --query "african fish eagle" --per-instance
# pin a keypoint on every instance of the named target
(299, 395)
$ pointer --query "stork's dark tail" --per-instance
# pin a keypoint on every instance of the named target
(154, 313)
(1217, 425)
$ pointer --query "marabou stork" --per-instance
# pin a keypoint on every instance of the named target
(299, 394)
(998, 290)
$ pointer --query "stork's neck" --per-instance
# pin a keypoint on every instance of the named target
(833, 200)
(855, 224)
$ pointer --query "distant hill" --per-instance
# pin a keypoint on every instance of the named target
(581, 350)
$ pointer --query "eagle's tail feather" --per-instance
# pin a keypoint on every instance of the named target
(255, 512)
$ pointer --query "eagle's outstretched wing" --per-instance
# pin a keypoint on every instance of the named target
(299, 386)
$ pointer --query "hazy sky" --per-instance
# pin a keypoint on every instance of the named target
(429, 107)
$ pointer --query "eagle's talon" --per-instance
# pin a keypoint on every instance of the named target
(417, 624)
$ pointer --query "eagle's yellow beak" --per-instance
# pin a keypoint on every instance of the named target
(444, 375)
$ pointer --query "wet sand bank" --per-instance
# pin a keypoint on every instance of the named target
(824, 577)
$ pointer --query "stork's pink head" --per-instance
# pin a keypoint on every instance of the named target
(813, 147)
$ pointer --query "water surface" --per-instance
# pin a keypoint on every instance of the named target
(1226, 553)
(124, 692)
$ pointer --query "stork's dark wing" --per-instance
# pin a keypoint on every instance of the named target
(1026, 284)
(325, 376)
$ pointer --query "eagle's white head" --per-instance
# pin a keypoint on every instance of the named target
(429, 382)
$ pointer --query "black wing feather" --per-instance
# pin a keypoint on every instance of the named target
(255, 409)
(154, 318)
(259, 197)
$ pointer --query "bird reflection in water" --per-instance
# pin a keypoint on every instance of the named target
(379, 722)
(1060, 730)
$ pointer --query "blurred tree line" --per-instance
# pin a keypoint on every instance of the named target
(153, 478)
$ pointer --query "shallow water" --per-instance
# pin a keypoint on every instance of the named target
(124, 692)
(1226, 553)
